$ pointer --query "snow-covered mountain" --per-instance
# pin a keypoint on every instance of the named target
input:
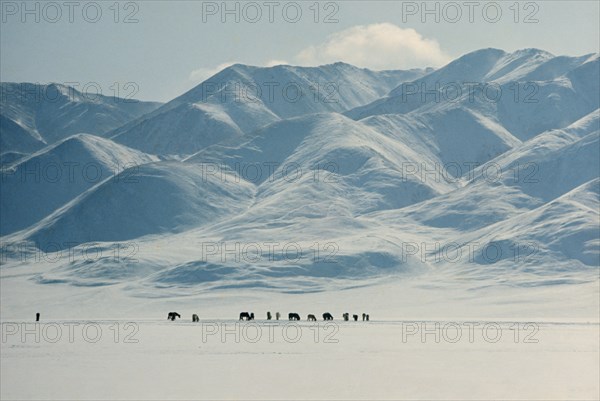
(43, 182)
(150, 199)
(243, 98)
(527, 92)
(329, 146)
(373, 187)
(33, 116)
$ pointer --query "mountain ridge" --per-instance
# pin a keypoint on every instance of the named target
(351, 196)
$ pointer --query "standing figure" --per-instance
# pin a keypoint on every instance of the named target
(355, 317)
(277, 315)
(195, 318)
(346, 316)
(268, 315)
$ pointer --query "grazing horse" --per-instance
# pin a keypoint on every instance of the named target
(195, 318)
(355, 317)
(327, 316)
(293, 316)
(346, 316)
(277, 315)
(173, 315)
(244, 316)
(312, 318)
(269, 316)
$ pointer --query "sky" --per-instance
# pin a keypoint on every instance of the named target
(157, 50)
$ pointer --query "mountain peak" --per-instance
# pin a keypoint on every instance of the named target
(532, 52)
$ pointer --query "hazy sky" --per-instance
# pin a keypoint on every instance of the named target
(166, 48)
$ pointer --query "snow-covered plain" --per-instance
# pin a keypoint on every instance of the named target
(224, 360)
(389, 201)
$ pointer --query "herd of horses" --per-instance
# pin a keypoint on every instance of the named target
(291, 316)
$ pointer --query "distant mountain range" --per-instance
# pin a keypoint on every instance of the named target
(33, 116)
(360, 176)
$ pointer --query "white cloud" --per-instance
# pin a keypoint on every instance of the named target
(377, 46)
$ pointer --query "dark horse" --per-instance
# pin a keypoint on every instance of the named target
(173, 315)
(327, 316)
(293, 316)
(246, 316)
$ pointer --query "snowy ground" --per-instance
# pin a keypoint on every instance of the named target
(97, 343)
(160, 360)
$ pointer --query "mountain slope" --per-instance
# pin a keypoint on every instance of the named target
(39, 184)
(458, 137)
(243, 98)
(559, 236)
(33, 116)
(526, 92)
(519, 180)
(330, 148)
(154, 198)
(546, 170)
